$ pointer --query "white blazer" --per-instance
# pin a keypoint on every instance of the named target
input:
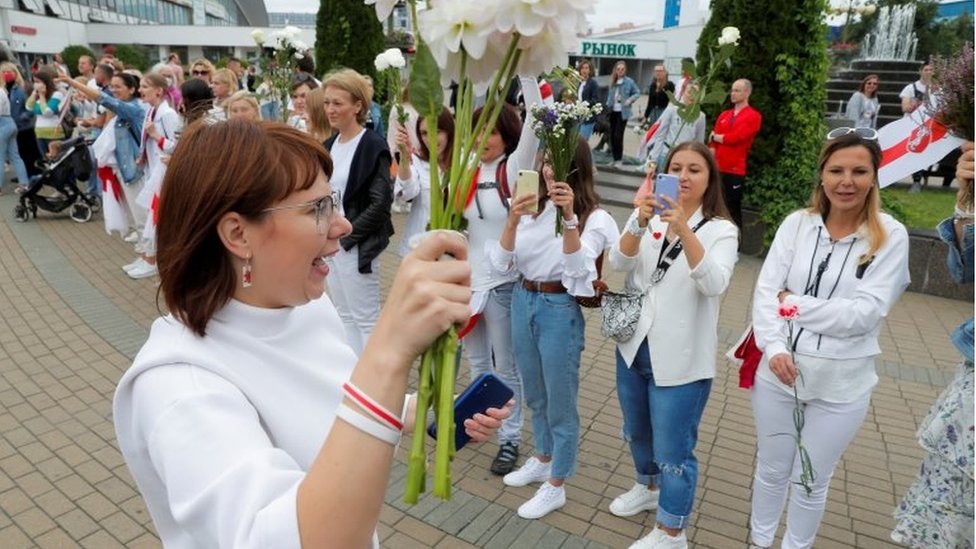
(680, 314)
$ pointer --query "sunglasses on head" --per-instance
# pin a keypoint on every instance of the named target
(864, 133)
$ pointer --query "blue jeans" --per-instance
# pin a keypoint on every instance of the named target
(9, 150)
(661, 427)
(547, 334)
(586, 130)
(492, 339)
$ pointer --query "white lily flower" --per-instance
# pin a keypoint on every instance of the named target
(730, 35)
(546, 49)
(383, 8)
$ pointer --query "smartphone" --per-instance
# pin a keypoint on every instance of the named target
(665, 185)
(485, 392)
(528, 183)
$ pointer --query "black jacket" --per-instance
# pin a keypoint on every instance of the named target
(591, 93)
(367, 199)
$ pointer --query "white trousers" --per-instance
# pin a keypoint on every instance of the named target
(137, 211)
(828, 429)
(356, 296)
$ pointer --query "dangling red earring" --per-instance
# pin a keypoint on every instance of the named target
(246, 273)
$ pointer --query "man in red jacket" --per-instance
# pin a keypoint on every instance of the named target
(731, 140)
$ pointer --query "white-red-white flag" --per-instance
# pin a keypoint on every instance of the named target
(911, 144)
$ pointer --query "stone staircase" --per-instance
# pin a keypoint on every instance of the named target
(893, 76)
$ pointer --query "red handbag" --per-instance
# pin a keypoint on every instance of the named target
(748, 355)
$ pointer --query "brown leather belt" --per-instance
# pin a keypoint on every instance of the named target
(554, 287)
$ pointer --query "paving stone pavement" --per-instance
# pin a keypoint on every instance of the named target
(71, 322)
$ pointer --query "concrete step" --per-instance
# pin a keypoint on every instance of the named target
(617, 187)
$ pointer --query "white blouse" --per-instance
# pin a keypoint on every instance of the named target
(416, 188)
(538, 254)
(680, 313)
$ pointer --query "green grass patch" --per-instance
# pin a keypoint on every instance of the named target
(922, 210)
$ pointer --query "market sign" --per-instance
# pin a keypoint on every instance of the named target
(609, 49)
(29, 31)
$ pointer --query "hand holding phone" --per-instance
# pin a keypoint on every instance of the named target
(485, 392)
(665, 185)
(528, 183)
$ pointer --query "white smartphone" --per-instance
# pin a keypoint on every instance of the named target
(665, 185)
(528, 183)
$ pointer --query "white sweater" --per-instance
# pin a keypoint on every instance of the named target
(219, 431)
(680, 314)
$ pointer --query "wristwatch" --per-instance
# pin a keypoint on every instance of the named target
(633, 227)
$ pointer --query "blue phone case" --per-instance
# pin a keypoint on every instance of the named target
(665, 185)
(485, 392)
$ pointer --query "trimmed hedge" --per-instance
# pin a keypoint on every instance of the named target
(347, 35)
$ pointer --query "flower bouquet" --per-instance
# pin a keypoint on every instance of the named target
(280, 49)
(481, 46)
(557, 126)
(955, 109)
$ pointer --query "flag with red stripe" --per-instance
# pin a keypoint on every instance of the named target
(911, 144)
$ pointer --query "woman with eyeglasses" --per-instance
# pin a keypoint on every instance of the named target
(202, 69)
(863, 106)
(244, 419)
(843, 264)
(362, 177)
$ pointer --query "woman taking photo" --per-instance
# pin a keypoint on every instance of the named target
(45, 101)
(509, 147)
(657, 97)
(862, 108)
(232, 419)
(547, 324)
(300, 86)
(362, 178)
(681, 260)
(842, 263)
(413, 177)
(620, 96)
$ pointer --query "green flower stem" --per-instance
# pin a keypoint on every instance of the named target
(447, 348)
(417, 460)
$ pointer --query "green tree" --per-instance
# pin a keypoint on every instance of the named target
(347, 35)
(71, 54)
(133, 56)
(783, 52)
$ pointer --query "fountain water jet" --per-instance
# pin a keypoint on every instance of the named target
(893, 37)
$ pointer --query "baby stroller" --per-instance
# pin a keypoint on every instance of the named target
(56, 188)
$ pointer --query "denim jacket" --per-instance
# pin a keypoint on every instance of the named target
(960, 263)
(629, 92)
(20, 113)
(129, 116)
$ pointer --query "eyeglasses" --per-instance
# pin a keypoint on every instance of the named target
(864, 133)
(325, 209)
(199, 73)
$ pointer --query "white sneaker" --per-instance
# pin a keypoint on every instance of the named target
(531, 471)
(634, 501)
(130, 266)
(659, 539)
(143, 271)
(132, 237)
(546, 500)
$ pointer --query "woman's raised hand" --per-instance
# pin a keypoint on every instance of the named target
(427, 297)
(522, 205)
(403, 142)
(562, 196)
